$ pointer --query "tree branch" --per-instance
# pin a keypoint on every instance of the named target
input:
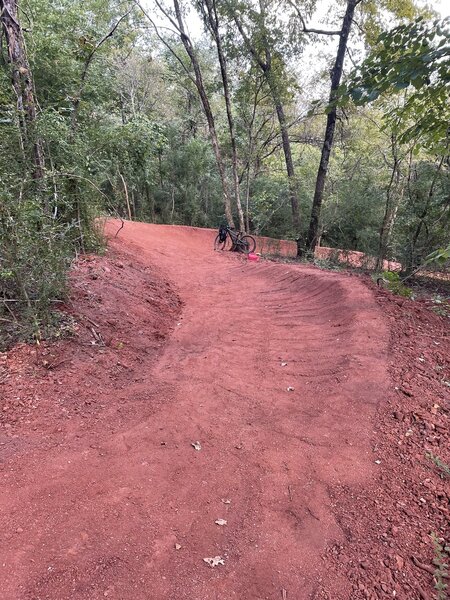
(264, 66)
(306, 29)
(101, 42)
(160, 37)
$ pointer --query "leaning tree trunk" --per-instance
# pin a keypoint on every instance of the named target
(22, 81)
(207, 110)
(212, 20)
(266, 68)
(313, 231)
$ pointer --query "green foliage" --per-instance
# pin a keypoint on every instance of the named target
(45, 221)
(423, 217)
(395, 285)
(34, 258)
(440, 256)
(413, 57)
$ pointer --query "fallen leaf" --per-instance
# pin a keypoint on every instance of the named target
(220, 522)
(226, 501)
(177, 547)
(284, 364)
(290, 389)
(196, 445)
(214, 562)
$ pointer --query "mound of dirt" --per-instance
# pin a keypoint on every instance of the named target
(119, 313)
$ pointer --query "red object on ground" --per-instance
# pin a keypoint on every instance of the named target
(103, 494)
(253, 257)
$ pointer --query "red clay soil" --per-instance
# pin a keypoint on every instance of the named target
(314, 397)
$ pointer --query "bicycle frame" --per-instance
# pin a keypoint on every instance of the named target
(234, 236)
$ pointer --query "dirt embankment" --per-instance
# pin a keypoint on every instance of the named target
(119, 316)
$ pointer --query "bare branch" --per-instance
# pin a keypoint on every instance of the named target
(349, 54)
(306, 29)
(163, 40)
(102, 41)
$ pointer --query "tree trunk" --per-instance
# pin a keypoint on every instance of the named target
(390, 212)
(22, 81)
(409, 268)
(293, 193)
(213, 22)
(207, 109)
(247, 200)
(266, 68)
(336, 75)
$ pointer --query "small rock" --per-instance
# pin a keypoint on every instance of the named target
(215, 561)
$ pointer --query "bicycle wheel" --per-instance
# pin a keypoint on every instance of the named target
(247, 244)
(218, 245)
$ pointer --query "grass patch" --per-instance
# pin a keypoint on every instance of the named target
(444, 469)
(440, 561)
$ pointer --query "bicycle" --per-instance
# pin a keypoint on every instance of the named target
(236, 241)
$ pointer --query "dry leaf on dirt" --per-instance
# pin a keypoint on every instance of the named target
(196, 445)
(214, 562)
(220, 522)
(290, 389)
(177, 547)
(226, 501)
(284, 364)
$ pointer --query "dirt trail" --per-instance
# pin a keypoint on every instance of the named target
(100, 518)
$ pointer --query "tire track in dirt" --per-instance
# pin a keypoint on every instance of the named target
(274, 453)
